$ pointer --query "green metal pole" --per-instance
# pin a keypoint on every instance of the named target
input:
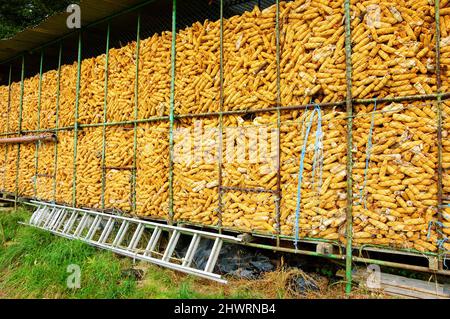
(58, 84)
(172, 107)
(36, 153)
(349, 108)
(7, 124)
(439, 128)
(278, 195)
(219, 159)
(105, 115)
(19, 131)
(75, 132)
(136, 113)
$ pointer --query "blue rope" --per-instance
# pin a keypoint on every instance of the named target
(302, 164)
(368, 153)
(318, 149)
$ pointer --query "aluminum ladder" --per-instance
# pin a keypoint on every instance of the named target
(125, 236)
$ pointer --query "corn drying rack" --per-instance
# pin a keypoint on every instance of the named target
(93, 227)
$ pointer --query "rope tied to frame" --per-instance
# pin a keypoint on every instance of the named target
(318, 151)
(368, 154)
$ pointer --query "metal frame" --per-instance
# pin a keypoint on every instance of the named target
(349, 101)
(349, 110)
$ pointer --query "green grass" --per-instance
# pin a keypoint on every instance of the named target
(33, 264)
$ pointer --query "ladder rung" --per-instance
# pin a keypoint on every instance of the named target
(55, 219)
(93, 228)
(49, 218)
(171, 245)
(121, 233)
(35, 218)
(105, 232)
(40, 216)
(136, 237)
(153, 241)
(70, 222)
(60, 220)
(214, 255)
(81, 225)
(190, 253)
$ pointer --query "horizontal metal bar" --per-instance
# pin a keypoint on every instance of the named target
(28, 139)
(246, 111)
(399, 265)
(405, 98)
(118, 168)
(48, 130)
(296, 251)
(45, 175)
(248, 190)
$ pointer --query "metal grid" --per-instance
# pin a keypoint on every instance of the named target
(226, 8)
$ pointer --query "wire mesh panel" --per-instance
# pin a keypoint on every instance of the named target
(312, 65)
(122, 74)
(250, 70)
(9, 174)
(152, 170)
(313, 173)
(26, 170)
(89, 167)
(249, 212)
(196, 171)
(154, 75)
(92, 93)
(395, 163)
(64, 171)
(118, 168)
(393, 52)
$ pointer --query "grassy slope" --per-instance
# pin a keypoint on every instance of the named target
(33, 264)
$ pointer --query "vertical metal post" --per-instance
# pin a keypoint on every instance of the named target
(36, 153)
(7, 125)
(349, 109)
(220, 133)
(278, 193)
(172, 107)
(58, 85)
(16, 195)
(105, 115)
(136, 113)
(75, 131)
(439, 124)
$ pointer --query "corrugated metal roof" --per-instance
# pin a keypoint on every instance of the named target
(55, 26)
